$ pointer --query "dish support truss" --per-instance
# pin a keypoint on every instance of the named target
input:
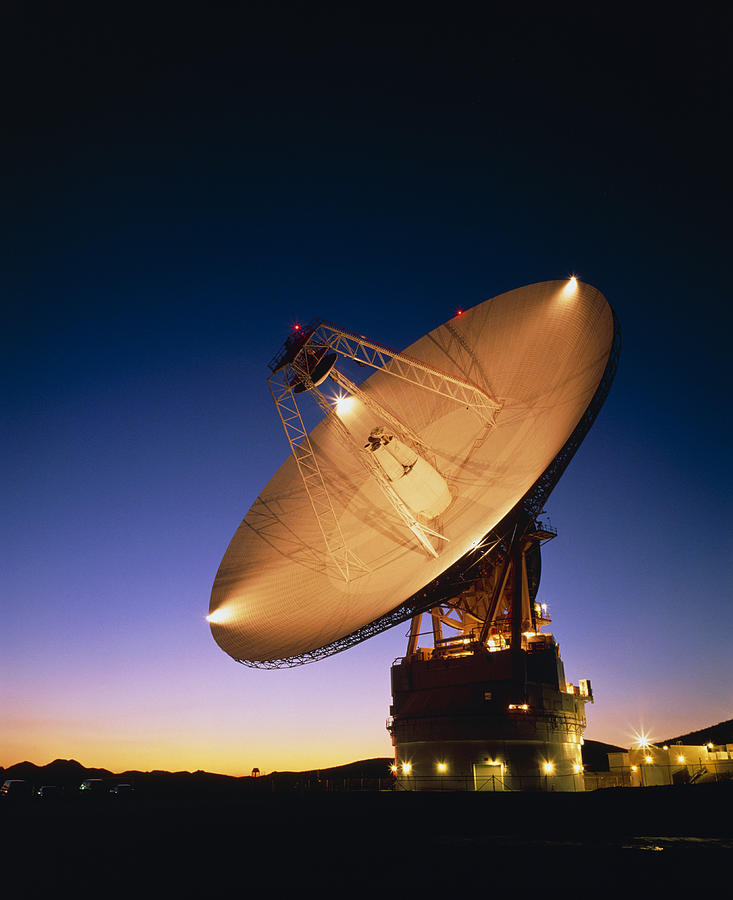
(351, 346)
(455, 579)
(306, 360)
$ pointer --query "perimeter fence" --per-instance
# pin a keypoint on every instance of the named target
(455, 783)
(331, 785)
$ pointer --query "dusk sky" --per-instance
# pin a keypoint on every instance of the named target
(182, 182)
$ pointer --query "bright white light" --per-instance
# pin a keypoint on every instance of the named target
(344, 404)
(442, 767)
(641, 740)
(571, 287)
(406, 768)
(219, 616)
(548, 768)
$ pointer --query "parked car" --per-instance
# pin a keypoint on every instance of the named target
(122, 790)
(93, 787)
(15, 789)
(49, 792)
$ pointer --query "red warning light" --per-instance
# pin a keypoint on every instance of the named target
(296, 327)
(459, 312)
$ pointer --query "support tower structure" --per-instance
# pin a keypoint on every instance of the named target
(487, 706)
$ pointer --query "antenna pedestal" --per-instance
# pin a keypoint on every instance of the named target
(488, 707)
(455, 726)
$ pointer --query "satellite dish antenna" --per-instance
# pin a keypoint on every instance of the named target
(425, 478)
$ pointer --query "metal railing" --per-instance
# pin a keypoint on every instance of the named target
(492, 783)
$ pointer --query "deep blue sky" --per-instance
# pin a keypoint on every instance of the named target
(180, 183)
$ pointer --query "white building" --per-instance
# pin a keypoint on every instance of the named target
(672, 764)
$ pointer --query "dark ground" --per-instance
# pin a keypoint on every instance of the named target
(210, 841)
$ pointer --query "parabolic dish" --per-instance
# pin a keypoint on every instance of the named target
(540, 351)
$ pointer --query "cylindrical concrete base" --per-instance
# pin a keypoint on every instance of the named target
(457, 724)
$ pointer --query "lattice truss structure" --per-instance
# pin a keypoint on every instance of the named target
(304, 362)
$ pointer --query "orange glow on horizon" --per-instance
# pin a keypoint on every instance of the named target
(143, 750)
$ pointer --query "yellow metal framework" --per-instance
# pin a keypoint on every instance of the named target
(303, 362)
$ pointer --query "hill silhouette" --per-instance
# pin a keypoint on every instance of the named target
(722, 733)
(70, 773)
(60, 771)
